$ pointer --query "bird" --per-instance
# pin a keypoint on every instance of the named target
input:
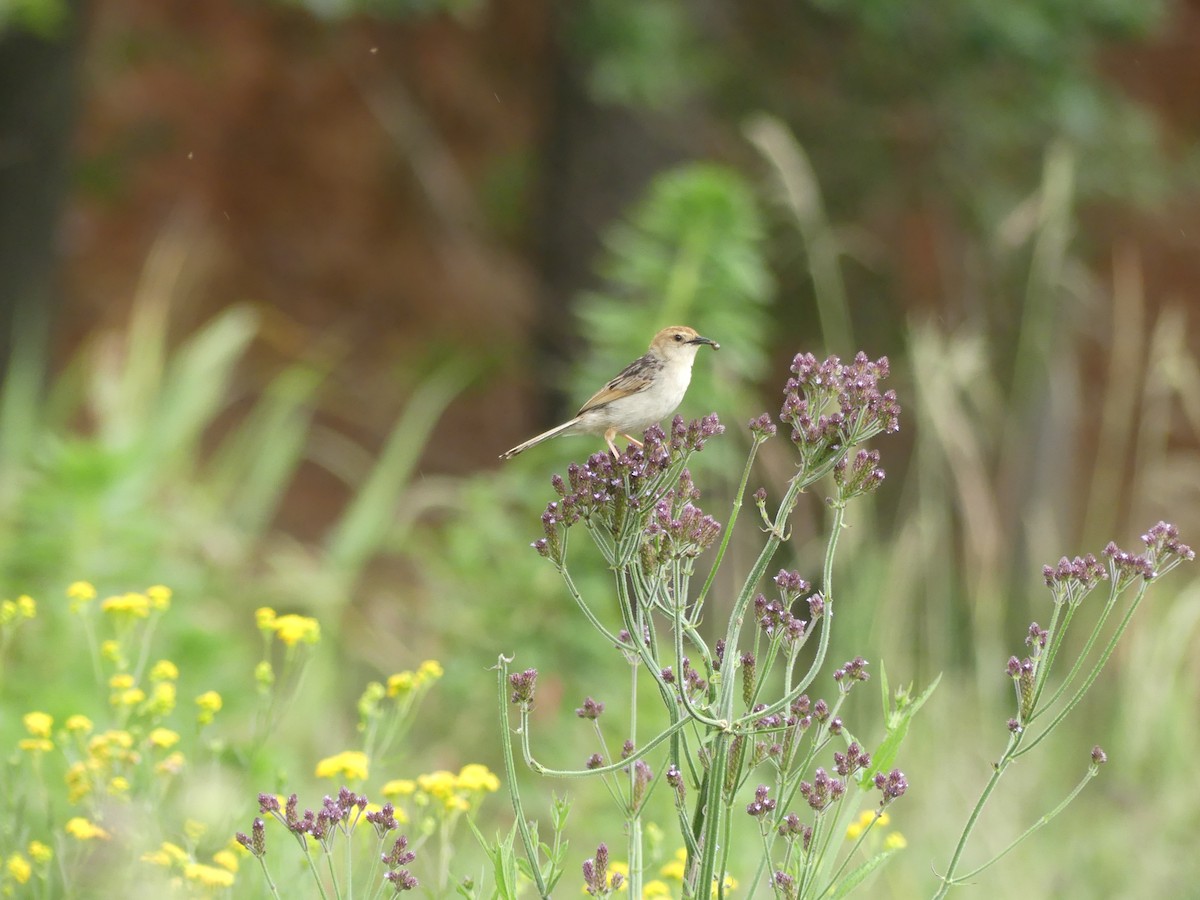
(646, 391)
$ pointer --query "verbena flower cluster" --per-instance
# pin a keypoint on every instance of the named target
(337, 818)
(607, 493)
(831, 406)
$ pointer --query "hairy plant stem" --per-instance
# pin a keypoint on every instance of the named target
(510, 772)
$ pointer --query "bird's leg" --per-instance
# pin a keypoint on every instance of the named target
(608, 439)
(631, 439)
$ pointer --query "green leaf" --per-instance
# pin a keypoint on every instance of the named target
(855, 878)
(897, 728)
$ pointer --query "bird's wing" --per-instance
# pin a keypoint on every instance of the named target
(635, 377)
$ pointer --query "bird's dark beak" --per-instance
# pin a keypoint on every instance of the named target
(700, 339)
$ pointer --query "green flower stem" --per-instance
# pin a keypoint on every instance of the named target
(724, 848)
(337, 890)
(1046, 662)
(1044, 820)
(617, 766)
(835, 531)
(949, 879)
(849, 856)
(733, 515)
(635, 852)
(349, 860)
(312, 867)
(808, 872)
(713, 812)
(694, 713)
(1114, 593)
(1092, 675)
(733, 631)
(510, 772)
(270, 881)
(584, 608)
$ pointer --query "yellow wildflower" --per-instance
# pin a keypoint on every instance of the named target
(103, 745)
(430, 670)
(264, 617)
(175, 852)
(40, 853)
(399, 787)
(79, 782)
(14, 612)
(83, 830)
(194, 830)
(674, 869)
(439, 784)
(157, 858)
(401, 683)
(264, 674)
(35, 745)
(159, 596)
(895, 841)
(121, 681)
(164, 670)
(477, 777)
(118, 786)
(110, 651)
(18, 868)
(131, 605)
(292, 629)
(163, 738)
(38, 724)
(652, 890)
(162, 700)
(79, 724)
(350, 764)
(131, 697)
(226, 859)
(210, 704)
(81, 590)
(208, 876)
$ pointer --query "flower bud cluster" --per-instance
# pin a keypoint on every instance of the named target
(830, 406)
(605, 491)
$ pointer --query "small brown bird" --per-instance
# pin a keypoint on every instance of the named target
(647, 390)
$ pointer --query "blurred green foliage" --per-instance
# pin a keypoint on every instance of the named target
(45, 18)
(943, 102)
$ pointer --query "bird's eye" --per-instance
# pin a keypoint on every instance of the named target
(679, 337)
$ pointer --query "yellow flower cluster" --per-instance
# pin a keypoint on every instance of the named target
(84, 830)
(349, 765)
(24, 607)
(406, 682)
(445, 791)
(19, 867)
(212, 877)
(38, 724)
(866, 819)
(674, 870)
(290, 629)
(208, 705)
(133, 605)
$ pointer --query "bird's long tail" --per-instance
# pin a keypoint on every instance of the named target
(544, 436)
